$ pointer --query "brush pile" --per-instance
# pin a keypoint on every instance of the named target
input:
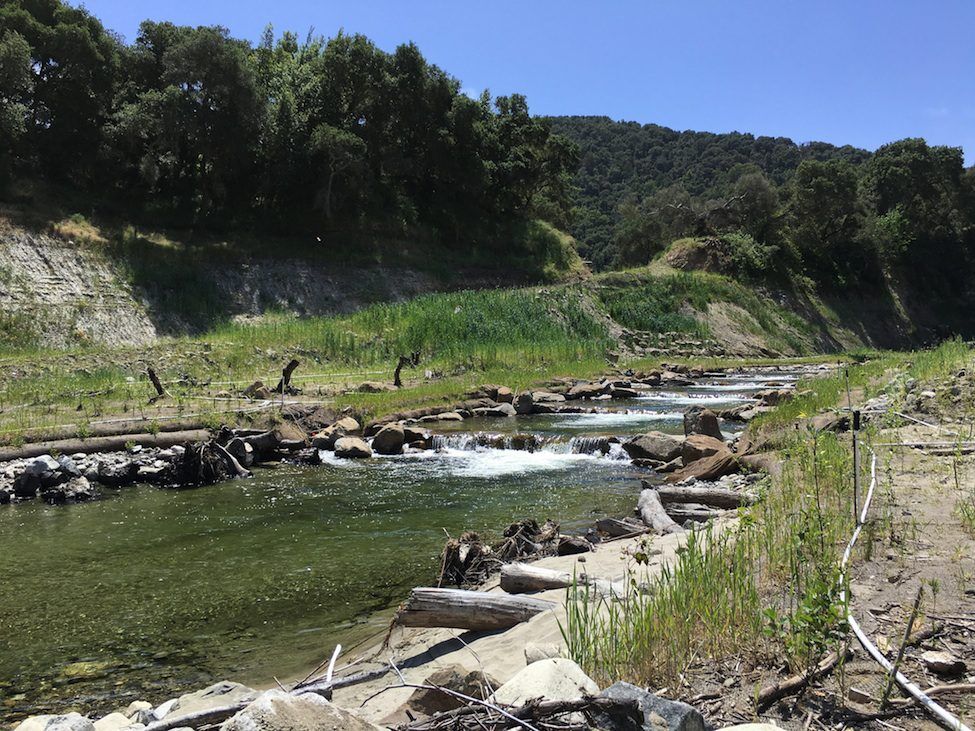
(468, 561)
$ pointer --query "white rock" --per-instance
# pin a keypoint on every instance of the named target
(276, 710)
(554, 679)
(67, 722)
(113, 722)
(44, 463)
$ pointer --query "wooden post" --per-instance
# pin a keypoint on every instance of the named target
(900, 653)
(286, 376)
(856, 468)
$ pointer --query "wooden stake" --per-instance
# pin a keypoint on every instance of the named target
(900, 653)
(286, 376)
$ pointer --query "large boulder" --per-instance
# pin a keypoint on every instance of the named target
(699, 446)
(26, 485)
(830, 422)
(326, 438)
(503, 410)
(276, 710)
(118, 472)
(224, 693)
(352, 448)
(66, 722)
(654, 445)
(389, 440)
(699, 420)
(555, 679)
(719, 464)
(453, 677)
(658, 713)
(585, 390)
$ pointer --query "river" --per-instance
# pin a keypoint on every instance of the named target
(151, 592)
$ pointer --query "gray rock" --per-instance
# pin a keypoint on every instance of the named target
(113, 722)
(389, 440)
(352, 448)
(654, 445)
(76, 489)
(678, 716)
(68, 466)
(453, 677)
(698, 420)
(276, 710)
(241, 451)
(42, 464)
(118, 473)
(66, 722)
(26, 485)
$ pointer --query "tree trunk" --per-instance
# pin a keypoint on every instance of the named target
(474, 610)
(286, 376)
(328, 195)
(615, 527)
(521, 578)
(653, 514)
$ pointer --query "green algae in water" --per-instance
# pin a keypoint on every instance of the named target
(151, 592)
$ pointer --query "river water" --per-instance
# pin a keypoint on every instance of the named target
(149, 592)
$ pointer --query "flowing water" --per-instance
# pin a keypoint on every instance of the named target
(152, 591)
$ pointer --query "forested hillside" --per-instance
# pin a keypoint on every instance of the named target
(323, 137)
(835, 214)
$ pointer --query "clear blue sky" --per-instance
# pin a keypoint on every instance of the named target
(862, 72)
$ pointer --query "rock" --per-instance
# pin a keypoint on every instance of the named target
(375, 387)
(830, 422)
(585, 390)
(112, 722)
(75, 489)
(389, 440)
(570, 545)
(326, 438)
(524, 403)
(42, 464)
(275, 710)
(502, 410)
(117, 474)
(534, 653)
(352, 448)
(135, 707)
(698, 420)
(453, 677)
(556, 679)
(445, 416)
(621, 392)
(547, 397)
(943, 663)
(257, 390)
(26, 485)
(224, 693)
(66, 722)
(719, 464)
(668, 467)
(67, 465)
(699, 446)
(773, 396)
(504, 395)
(415, 436)
(676, 716)
(654, 445)
(752, 727)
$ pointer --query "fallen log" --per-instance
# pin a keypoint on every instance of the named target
(716, 497)
(94, 445)
(615, 527)
(521, 578)
(461, 609)
(652, 513)
(698, 513)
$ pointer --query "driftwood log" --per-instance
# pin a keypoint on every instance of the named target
(681, 512)
(717, 497)
(522, 578)
(616, 528)
(461, 609)
(652, 513)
